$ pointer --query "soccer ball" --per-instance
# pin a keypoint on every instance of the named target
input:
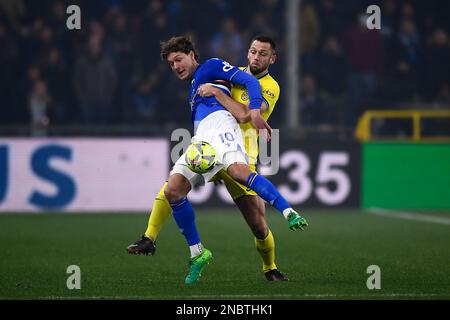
(201, 157)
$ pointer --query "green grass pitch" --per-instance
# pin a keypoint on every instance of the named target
(327, 261)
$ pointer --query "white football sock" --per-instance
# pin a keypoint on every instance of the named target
(286, 212)
(196, 249)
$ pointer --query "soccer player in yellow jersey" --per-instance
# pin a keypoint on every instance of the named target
(261, 55)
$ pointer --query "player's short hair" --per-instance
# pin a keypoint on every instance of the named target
(178, 44)
(265, 39)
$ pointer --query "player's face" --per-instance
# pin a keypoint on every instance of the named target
(182, 64)
(260, 57)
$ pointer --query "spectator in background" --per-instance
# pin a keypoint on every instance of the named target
(333, 67)
(31, 41)
(364, 48)
(55, 74)
(33, 75)
(400, 85)
(333, 78)
(39, 103)
(145, 101)
(388, 20)
(406, 45)
(228, 43)
(437, 75)
(154, 28)
(96, 29)
(223, 7)
(272, 10)
(45, 42)
(9, 51)
(14, 10)
(175, 15)
(330, 17)
(407, 11)
(95, 80)
(57, 20)
(122, 43)
(259, 25)
(403, 64)
(310, 36)
(63, 38)
(57, 16)
(311, 103)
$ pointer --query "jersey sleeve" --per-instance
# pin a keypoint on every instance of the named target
(221, 70)
(270, 93)
(218, 69)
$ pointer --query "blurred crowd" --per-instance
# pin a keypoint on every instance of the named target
(109, 72)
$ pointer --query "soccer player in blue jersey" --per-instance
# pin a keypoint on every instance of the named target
(215, 125)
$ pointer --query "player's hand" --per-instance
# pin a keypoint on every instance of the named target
(260, 124)
(207, 90)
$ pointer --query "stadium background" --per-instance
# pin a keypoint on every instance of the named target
(87, 116)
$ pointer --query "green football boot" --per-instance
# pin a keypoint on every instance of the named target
(296, 221)
(196, 266)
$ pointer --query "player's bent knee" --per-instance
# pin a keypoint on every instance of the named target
(260, 232)
(260, 229)
(239, 172)
(174, 194)
(177, 188)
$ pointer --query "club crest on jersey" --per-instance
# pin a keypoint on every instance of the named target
(244, 96)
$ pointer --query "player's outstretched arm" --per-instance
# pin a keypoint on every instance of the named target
(238, 110)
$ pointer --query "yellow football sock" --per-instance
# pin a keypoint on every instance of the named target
(266, 249)
(161, 211)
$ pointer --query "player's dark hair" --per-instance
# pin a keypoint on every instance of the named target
(178, 44)
(265, 39)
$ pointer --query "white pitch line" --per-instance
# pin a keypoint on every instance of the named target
(409, 216)
(324, 295)
(292, 296)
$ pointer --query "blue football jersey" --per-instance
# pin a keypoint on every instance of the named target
(217, 69)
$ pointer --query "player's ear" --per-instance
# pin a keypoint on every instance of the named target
(273, 58)
(191, 55)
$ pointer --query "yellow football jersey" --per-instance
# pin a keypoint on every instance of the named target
(271, 93)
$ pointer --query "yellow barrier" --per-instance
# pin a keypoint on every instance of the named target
(363, 129)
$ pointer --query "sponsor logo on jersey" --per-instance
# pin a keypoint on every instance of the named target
(269, 93)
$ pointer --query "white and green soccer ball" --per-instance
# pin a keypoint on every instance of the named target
(201, 157)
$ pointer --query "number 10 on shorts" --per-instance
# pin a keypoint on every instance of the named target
(228, 136)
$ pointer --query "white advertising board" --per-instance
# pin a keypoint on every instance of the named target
(80, 174)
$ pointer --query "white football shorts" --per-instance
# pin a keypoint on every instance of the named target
(221, 130)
